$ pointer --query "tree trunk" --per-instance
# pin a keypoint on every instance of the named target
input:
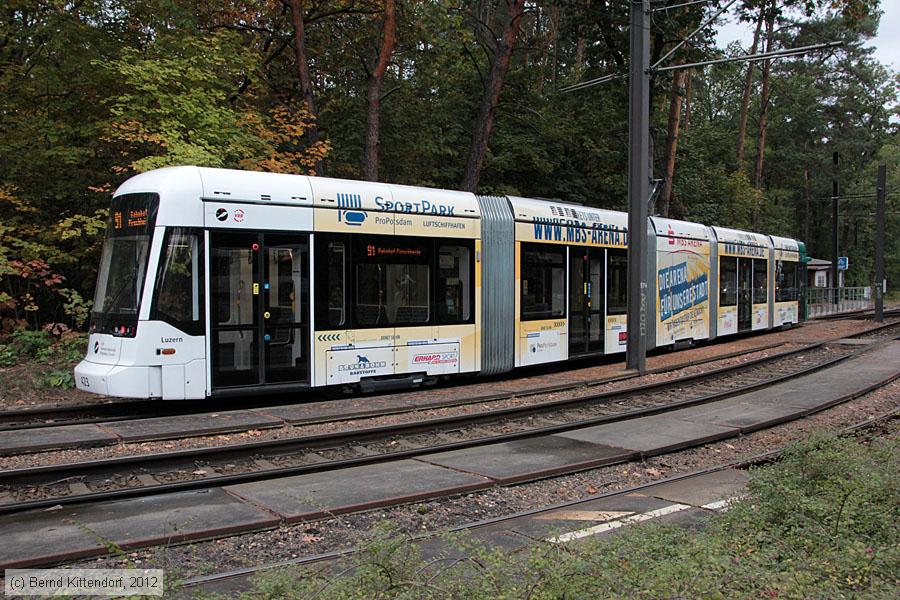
(687, 101)
(806, 204)
(672, 141)
(533, 37)
(306, 88)
(579, 54)
(764, 105)
(485, 120)
(554, 23)
(376, 79)
(748, 85)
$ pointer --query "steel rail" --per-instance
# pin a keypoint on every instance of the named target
(26, 476)
(855, 314)
(124, 410)
(115, 411)
(178, 410)
(756, 460)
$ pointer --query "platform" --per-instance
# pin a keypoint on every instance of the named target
(162, 428)
(529, 458)
(47, 438)
(46, 537)
(316, 495)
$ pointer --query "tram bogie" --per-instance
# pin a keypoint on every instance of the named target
(217, 282)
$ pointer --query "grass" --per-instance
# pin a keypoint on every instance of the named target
(31, 361)
(822, 523)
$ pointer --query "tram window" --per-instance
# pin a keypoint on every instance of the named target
(332, 285)
(454, 284)
(232, 277)
(543, 282)
(393, 281)
(616, 282)
(337, 268)
(760, 281)
(728, 281)
(178, 296)
(287, 275)
(408, 290)
(392, 294)
(786, 282)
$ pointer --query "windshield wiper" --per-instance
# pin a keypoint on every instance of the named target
(130, 282)
(112, 305)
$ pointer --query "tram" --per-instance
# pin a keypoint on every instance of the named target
(218, 282)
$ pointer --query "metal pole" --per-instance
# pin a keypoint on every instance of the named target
(835, 159)
(879, 245)
(638, 184)
(786, 53)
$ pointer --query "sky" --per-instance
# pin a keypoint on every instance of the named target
(887, 43)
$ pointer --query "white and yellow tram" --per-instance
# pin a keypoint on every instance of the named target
(216, 282)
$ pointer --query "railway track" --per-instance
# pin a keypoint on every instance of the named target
(130, 476)
(127, 409)
(857, 314)
(239, 578)
(98, 413)
(66, 533)
(88, 412)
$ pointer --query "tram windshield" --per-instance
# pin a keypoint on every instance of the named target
(123, 264)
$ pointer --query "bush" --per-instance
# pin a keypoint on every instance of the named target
(42, 347)
(823, 523)
(62, 380)
(70, 347)
(7, 356)
(30, 344)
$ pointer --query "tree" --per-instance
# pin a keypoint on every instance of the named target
(484, 122)
(748, 87)
(302, 62)
(764, 104)
(91, 85)
(373, 95)
(678, 80)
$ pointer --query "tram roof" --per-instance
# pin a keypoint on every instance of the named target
(194, 183)
(737, 236)
(530, 210)
(169, 181)
(675, 228)
(783, 243)
(181, 190)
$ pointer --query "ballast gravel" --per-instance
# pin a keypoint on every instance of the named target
(18, 391)
(304, 539)
(67, 456)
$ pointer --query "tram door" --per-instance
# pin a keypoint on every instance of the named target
(586, 297)
(260, 308)
(745, 294)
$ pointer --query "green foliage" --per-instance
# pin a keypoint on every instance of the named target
(56, 379)
(823, 523)
(30, 344)
(173, 105)
(70, 348)
(8, 356)
(95, 91)
(54, 344)
(75, 306)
